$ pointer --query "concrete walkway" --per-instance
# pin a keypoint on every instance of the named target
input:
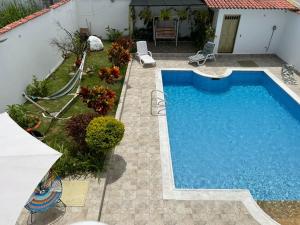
(134, 191)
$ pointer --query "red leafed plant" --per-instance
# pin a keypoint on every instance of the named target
(99, 98)
(118, 55)
(126, 42)
(110, 75)
(76, 128)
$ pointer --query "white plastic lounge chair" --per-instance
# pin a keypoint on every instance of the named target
(143, 55)
(203, 55)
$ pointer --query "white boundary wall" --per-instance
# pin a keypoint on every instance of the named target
(27, 52)
(98, 14)
(289, 47)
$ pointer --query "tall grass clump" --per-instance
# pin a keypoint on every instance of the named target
(11, 11)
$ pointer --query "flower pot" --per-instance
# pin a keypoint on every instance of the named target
(36, 126)
(37, 134)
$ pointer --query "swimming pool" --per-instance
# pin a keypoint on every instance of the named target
(238, 132)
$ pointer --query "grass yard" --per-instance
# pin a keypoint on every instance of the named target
(55, 131)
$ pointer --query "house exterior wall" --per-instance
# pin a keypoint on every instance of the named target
(27, 52)
(255, 30)
(289, 48)
(97, 15)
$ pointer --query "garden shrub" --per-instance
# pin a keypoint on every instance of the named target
(37, 88)
(76, 128)
(19, 114)
(99, 98)
(126, 42)
(118, 55)
(104, 133)
(69, 164)
(11, 11)
(71, 43)
(201, 22)
(110, 75)
(113, 34)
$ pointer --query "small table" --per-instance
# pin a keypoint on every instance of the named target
(47, 195)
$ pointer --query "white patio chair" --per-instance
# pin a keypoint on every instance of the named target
(203, 55)
(144, 56)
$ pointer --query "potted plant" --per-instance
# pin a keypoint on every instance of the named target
(165, 14)
(182, 14)
(19, 114)
(146, 15)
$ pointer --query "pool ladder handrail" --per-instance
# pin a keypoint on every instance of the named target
(158, 102)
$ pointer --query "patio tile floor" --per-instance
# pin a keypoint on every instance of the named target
(136, 196)
(134, 184)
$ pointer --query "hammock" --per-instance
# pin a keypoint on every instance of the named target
(67, 88)
(62, 92)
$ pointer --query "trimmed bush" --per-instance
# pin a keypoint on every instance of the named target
(76, 128)
(104, 133)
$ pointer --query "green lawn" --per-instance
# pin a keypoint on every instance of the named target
(55, 133)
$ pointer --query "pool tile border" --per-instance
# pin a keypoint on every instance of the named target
(169, 189)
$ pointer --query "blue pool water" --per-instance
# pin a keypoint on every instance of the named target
(240, 132)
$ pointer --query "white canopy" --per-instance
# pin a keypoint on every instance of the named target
(24, 161)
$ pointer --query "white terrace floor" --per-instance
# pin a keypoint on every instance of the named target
(134, 191)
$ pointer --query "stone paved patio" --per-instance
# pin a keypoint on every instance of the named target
(68, 215)
(134, 191)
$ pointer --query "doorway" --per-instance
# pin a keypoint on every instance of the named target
(228, 33)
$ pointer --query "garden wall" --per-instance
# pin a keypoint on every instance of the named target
(97, 15)
(255, 30)
(27, 50)
(289, 48)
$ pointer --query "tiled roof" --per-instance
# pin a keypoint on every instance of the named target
(250, 4)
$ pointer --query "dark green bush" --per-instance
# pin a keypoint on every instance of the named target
(19, 114)
(70, 164)
(104, 133)
(37, 88)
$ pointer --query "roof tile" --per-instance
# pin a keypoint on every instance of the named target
(250, 4)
